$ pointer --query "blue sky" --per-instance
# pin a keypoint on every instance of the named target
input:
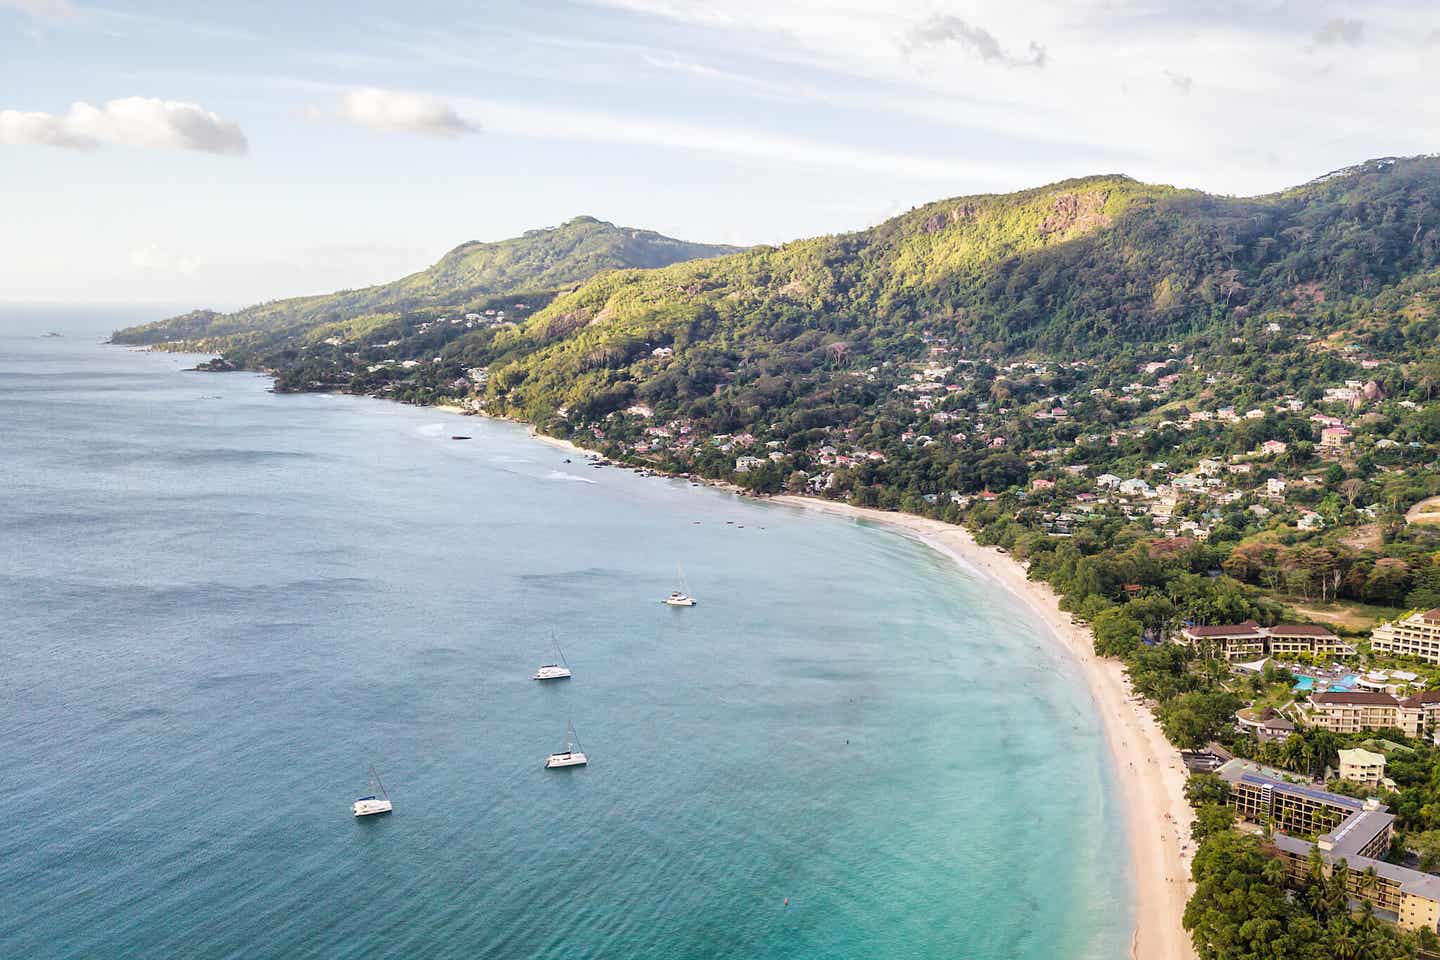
(176, 153)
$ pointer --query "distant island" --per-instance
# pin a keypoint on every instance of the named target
(1200, 419)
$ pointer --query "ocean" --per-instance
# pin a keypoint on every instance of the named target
(219, 606)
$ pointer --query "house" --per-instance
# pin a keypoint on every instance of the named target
(1275, 488)
(1135, 487)
(1269, 726)
(1107, 481)
(1310, 520)
(1273, 448)
(745, 464)
(1362, 766)
(1334, 438)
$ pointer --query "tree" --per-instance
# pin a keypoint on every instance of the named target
(1210, 819)
(1117, 634)
(1192, 719)
(1203, 788)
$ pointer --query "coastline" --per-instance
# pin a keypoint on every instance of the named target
(1148, 769)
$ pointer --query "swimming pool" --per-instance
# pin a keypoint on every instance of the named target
(1304, 684)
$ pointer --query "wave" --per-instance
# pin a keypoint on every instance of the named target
(562, 475)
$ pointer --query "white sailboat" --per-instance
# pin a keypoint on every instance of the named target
(554, 671)
(373, 804)
(680, 596)
(570, 756)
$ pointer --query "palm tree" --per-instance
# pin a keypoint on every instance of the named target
(1368, 882)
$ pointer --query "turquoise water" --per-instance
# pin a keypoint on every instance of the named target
(222, 604)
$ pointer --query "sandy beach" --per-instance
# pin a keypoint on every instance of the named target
(1148, 768)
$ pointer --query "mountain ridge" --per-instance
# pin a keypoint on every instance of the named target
(539, 260)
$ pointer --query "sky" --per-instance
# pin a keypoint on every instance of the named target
(217, 155)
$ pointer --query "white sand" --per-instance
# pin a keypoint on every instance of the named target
(1150, 774)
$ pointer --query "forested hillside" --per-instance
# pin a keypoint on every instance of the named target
(465, 279)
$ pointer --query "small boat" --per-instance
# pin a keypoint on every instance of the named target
(459, 437)
(373, 804)
(679, 597)
(554, 671)
(570, 756)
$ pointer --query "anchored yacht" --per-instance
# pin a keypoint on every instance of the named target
(554, 671)
(570, 756)
(373, 804)
(680, 596)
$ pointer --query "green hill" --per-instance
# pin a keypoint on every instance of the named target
(1083, 268)
(469, 276)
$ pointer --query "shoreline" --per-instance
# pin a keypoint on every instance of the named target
(1149, 774)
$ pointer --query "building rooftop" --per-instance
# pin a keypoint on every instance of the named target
(1410, 881)
(1247, 629)
(1356, 698)
(1359, 757)
(1347, 839)
(1301, 630)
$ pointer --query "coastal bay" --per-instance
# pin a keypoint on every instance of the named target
(227, 602)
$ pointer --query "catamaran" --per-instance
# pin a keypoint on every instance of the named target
(554, 671)
(680, 596)
(371, 805)
(570, 756)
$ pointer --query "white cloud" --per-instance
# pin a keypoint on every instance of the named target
(945, 30)
(51, 9)
(391, 111)
(131, 122)
(156, 258)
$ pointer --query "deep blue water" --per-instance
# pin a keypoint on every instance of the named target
(219, 605)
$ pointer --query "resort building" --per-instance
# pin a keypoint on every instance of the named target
(1263, 795)
(1245, 641)
(1362, 766)
(1353, 711)
(1288, 639)
(1349, 831)
(1236, 641)
(1417, 635)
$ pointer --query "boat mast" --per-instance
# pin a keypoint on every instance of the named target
(376, 777)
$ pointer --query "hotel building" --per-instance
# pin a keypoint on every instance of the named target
(1249, 640)
(1356, 832)
(1417, 635)
(1353, 711)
